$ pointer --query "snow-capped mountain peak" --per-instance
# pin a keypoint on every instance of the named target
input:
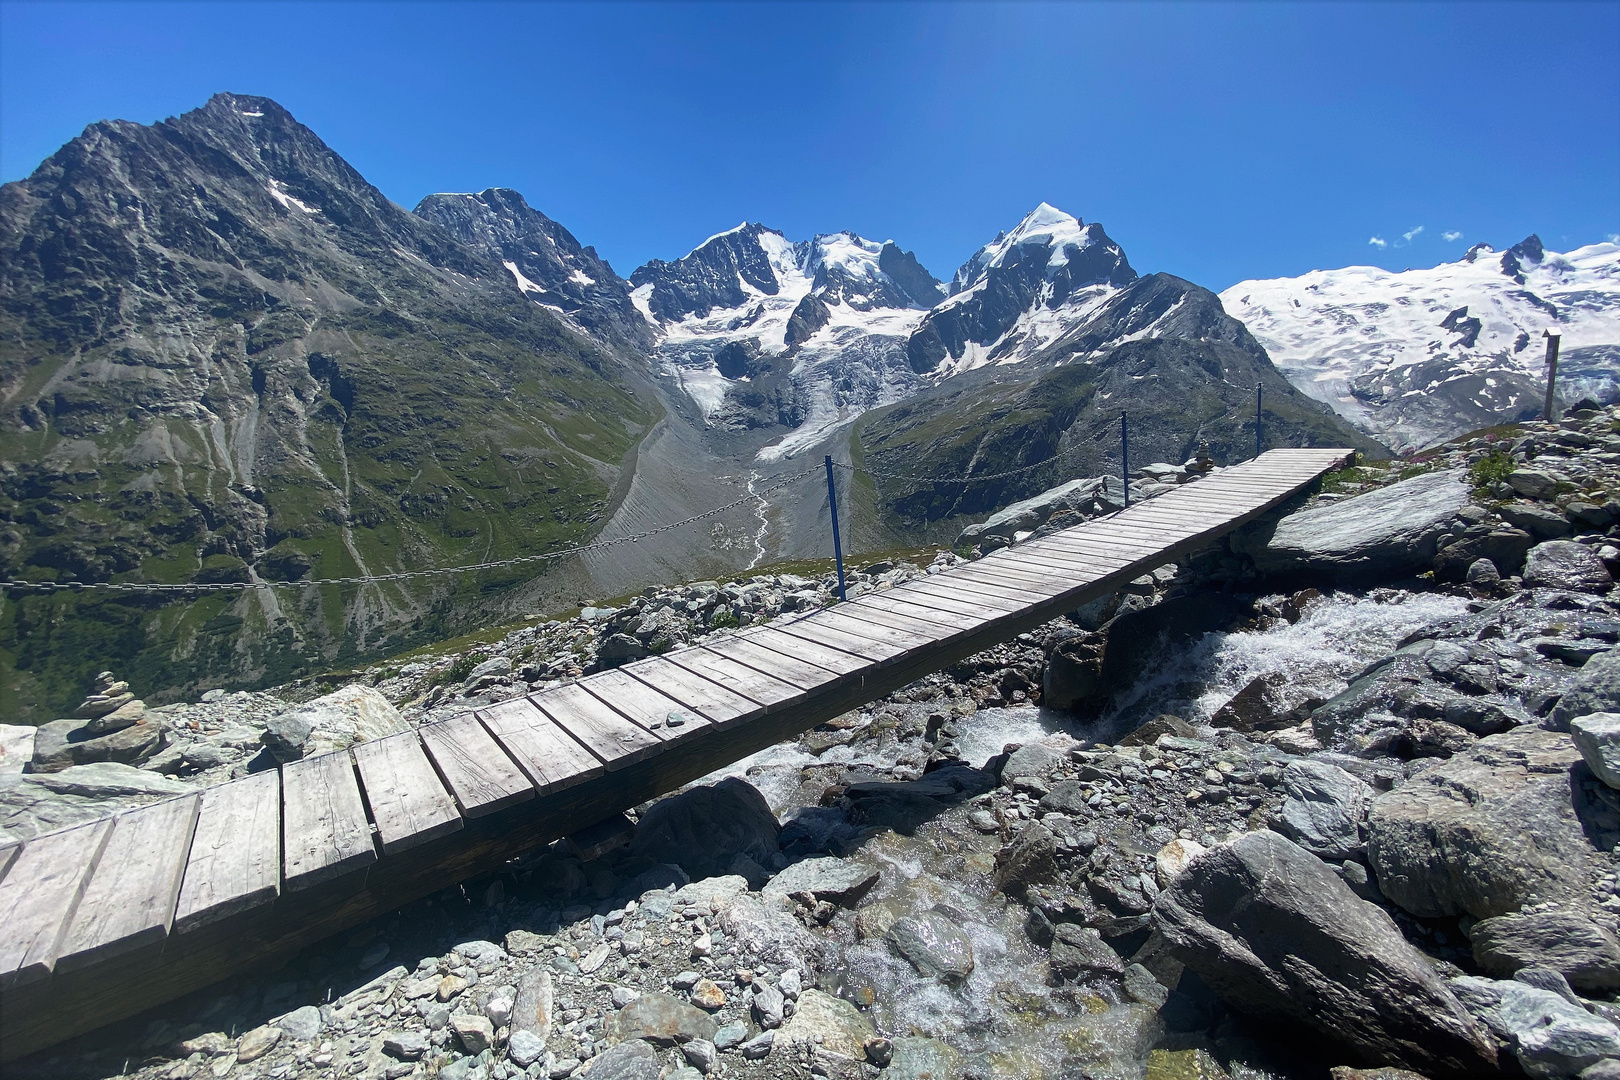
(1021, 292)
(1422, 355)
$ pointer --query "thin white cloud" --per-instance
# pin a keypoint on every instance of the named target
(1614, 238)
(1450, 235)
(1378, 242)
(1411, 234)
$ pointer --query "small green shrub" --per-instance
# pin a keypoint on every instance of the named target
(722, 617)
(1493, 468)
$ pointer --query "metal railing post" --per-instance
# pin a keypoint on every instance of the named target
(1259, 399)
(838, 547)
(1125, 456)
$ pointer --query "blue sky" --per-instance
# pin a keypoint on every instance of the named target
(1217, 142)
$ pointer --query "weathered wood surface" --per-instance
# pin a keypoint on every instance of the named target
(326, 832)
(256, 868)
(408, 803)
(235, 858)
(129, 900)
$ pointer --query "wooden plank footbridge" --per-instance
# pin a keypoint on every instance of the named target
(106, 919)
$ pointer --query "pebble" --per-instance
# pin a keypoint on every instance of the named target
(258, 1042)
(730, 1036)
(524, 1048)
(405, 1045)
(701, 1054)
(706, 994)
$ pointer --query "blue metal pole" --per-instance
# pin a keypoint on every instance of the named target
(1259, 399)
(1125, 456)
(838, 547)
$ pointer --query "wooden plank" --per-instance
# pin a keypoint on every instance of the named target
(476, 770)
(1042, 558)
(738, 678)
(614, 740)
(790, 669)
(408, 801)
(966, 609)
(693, 691)
(550, 758)
(869, 630)
(829, 657)
(40, 894)
(235, 858)
(827, 633)
(660, 714)
(1037, 582)
(129, 901)
(325, 833)
(933, 629)
(1010, 590)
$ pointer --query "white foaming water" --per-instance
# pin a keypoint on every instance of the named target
(1335, 638)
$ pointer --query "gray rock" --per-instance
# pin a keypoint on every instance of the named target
(1549, 1036)
(1031, 760)
(62, 743)
(1031, 859)
(630, 1060)
(1503, 548)
(1325, 809)
(531, 1009)
(704, 829)
(764, 928)
(1383, 533)
(1274, 931)
(701, 1054)
(1066, 797)
(1545, 978)
(1566, 940)
(406, 1045)
(1079, 953)
(1532, 483)
(1596, 689)
(303, 1023)
(1482, 572)
(286, 735)
(1073, 672)
(1564, 564)
(934, 945)
(476, 1033)
(830, 1023)
(1541, 522)
(729, 1036)
(499, 665)
(759, 1047)
(1493, 829)
(1141, 987)
(838, 881)
(1029, 514)
(920, 1058)
(108, 780)
(1597, 737)
(524, 1048)
(768, 1005)
(663, 1020)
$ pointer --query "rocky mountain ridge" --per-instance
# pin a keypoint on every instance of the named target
(1423, 355)
(228, 357)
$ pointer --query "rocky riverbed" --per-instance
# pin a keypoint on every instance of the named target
(1339, 794)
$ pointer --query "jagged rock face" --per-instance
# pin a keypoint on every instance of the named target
(228, 355)
(1186, 378)
(1050, 262)
(715, 275)
(545, 260)
(1427, 354)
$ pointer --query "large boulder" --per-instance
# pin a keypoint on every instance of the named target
(1325, 809)
(1275, 932)
(1596, 689)
(1564, 564)
(1597, 737)
(1514, 820)
(934, 944)
(704, 829)
(354, 714)
(1550, 1036)
(16, 747)
(1568, 940)
(1028, 514)
(1385, 533)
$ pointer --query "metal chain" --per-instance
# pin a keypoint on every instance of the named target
(403, 575)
